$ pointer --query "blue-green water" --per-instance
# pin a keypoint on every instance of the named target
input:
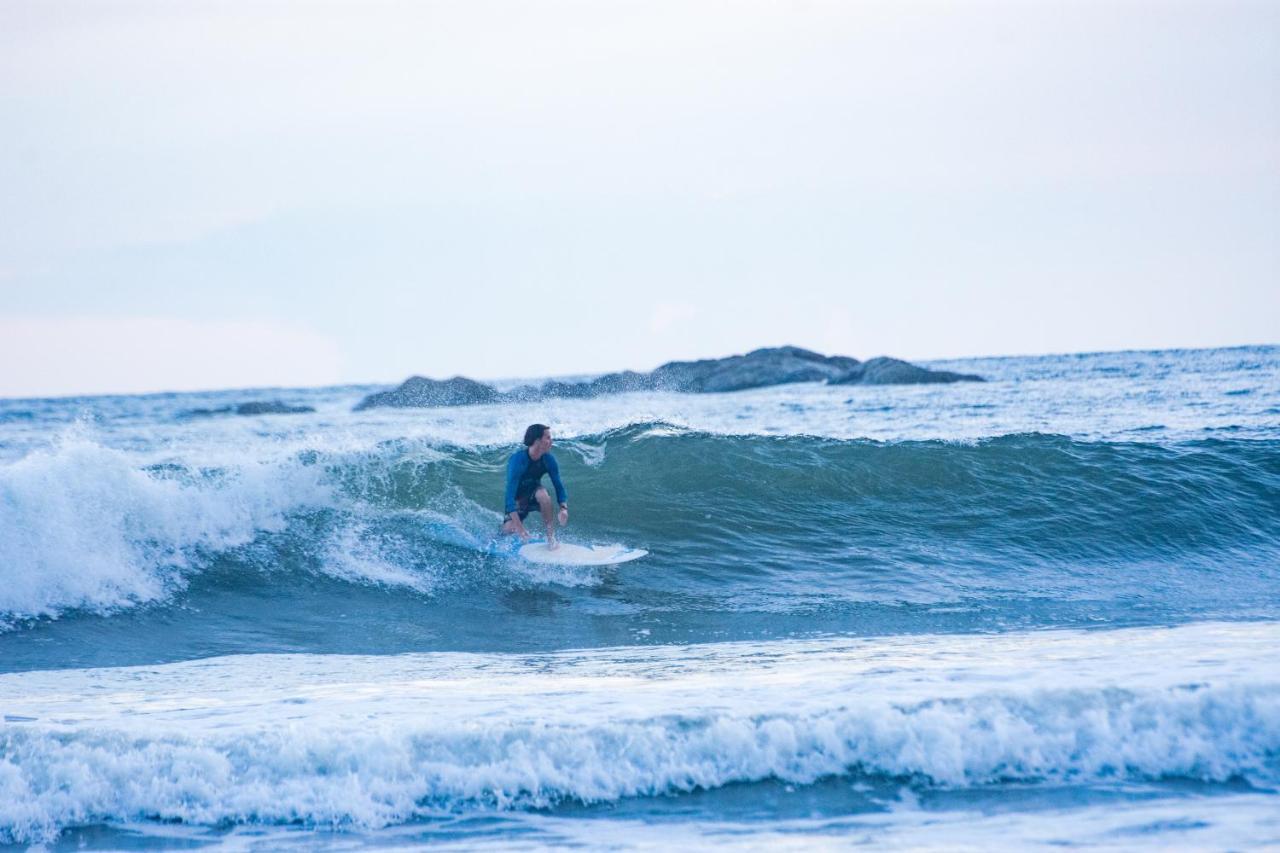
(1011, 613)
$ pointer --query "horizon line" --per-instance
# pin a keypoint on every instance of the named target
(506, 379)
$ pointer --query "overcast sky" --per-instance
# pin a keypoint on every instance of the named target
(231, 194)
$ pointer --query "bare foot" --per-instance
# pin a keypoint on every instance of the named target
(552, 544)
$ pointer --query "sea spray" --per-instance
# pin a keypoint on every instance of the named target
(82, 526)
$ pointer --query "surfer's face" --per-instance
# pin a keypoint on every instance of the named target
(543, 444)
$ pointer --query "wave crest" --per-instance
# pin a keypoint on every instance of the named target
(81, 526)
(86, 527)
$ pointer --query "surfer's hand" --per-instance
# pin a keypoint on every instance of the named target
(563, 517)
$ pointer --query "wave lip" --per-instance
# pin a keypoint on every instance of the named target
(82, 526)
(374, 741)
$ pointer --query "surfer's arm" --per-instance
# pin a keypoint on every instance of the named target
(553, 470)
(514, 470)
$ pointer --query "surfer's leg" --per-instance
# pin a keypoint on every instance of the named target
(522, 508)
(548, 517)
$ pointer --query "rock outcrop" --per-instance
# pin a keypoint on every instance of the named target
(252, 407)
(420, 392)
(757, 369)
(271, 407)
(894, 371)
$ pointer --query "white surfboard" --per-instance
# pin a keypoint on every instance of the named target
(569, 554)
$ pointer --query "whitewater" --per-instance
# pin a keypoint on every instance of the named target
(1038, 611)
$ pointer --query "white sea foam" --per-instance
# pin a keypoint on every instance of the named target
(83, 526)
(374, 741)
(354, 556)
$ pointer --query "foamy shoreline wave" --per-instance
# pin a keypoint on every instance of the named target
(372, 742)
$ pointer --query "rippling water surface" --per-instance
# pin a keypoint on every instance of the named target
(1040, 610)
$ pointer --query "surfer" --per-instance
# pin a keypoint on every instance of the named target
(524, 485)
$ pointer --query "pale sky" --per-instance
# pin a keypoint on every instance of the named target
(234, 194)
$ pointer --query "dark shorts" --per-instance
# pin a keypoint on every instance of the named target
(526, 504)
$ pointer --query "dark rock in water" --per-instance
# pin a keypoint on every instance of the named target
(271, 407)
(611, 383)
(206, 413)
(757, 369)
(418, 391)
(620, 383)
(555, 388)
(893, 371)
(254, 407)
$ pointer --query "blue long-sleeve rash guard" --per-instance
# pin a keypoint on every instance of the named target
(523, 471)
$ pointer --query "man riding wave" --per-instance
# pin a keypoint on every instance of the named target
(524, 486)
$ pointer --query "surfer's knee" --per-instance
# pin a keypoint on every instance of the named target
(542, 498)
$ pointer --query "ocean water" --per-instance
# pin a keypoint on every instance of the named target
(1037, 612)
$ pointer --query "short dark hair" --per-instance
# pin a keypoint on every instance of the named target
(533, 433)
